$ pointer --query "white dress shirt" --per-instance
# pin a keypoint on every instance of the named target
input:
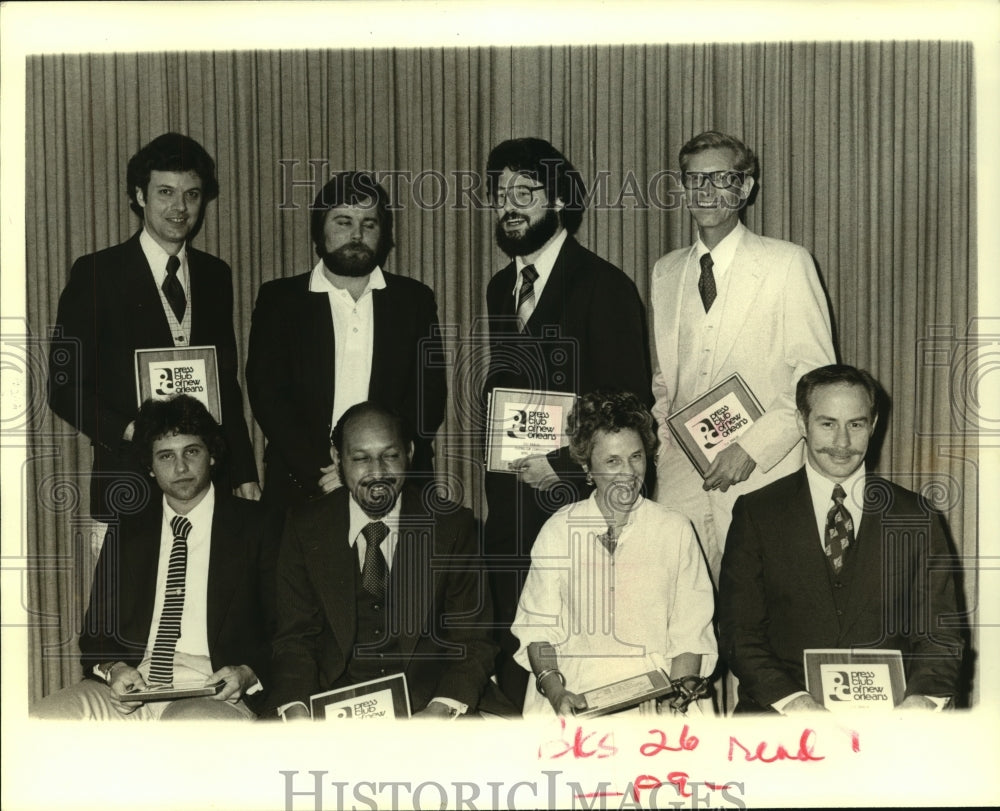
(543, 266)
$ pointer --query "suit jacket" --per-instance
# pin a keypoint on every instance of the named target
(438, 598)
(240, 590)
(778, 594)
(291, 383)
(109, 308)
(587, 331)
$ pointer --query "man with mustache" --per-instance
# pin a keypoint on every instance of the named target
(734, 302)
(561, 319)
(373, 580)
(832, 556)
(345, 332)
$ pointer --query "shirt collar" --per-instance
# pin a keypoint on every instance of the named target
(156, 256)
(546, 259)
(723, 253)
(359, 519)
(595, 510)
(319, 283)
(200, 516)
(821, 488)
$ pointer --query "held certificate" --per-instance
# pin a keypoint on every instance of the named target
(714, 421)
(624, 694)
(381, 699)
(846, 679)
(162, 373)
(522, 422)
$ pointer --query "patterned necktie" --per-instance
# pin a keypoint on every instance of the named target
(374, 573)
(706, 282)
(526, 295)
(608, 539)
(173, 290)
(839, 530)
(161, 669)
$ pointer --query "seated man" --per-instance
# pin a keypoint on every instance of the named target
(183, 592)
(833, 557)
(372, 581)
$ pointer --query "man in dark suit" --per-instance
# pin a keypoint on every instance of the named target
(373, 580)
(561, 319)
(345, 332)
(183, 592)
(152, 291)
(833, 557)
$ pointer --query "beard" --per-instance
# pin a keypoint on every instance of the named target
(353, 259)
(535, 235)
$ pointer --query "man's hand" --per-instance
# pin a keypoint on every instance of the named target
(297, 712)
(536, 472)
(435, 709)
(249, 491)
(917, 703)
(129, 431)
(732, 466)
(804, 703)
(125, 679)
(238, 680)
(330, 480)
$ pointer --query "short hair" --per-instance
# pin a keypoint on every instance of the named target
(180, 414)
(170, 152)
(540, 160)
(608, 410)
(370, 408)
(837, 374)
(352, 188)
(746, 160)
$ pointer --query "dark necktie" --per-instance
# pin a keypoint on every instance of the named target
(161, 669)
(839, 530)
(608, 539)
(374, 573)
(706, 282)
(526, 295)
(173, 290)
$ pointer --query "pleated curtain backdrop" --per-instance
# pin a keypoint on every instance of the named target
(867, 153)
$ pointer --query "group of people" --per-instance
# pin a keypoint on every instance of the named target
(601, 560)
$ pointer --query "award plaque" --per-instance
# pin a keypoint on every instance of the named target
(381, 699)
(162, 373)
(845, 679)
(714, 421)
(525, 423)
(170, 692)
(624, 694)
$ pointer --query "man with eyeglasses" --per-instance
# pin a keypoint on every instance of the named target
(734, 302)
(561, 319)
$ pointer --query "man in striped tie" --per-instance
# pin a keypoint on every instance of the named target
(183, 592)
(833, 557)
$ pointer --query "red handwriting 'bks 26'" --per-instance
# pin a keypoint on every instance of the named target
(760, 752)
(579, 744)
(686, 743)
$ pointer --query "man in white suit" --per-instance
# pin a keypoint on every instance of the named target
(732, 302)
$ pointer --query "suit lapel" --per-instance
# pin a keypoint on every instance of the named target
(745, 282)
(139, 291)
(226, 565)
(137, 593)
(866, 580)
(668, 313)
(321, 342)
(411, 583)
(806, 556)
(333, 562)
(386, 314)
(552, 303)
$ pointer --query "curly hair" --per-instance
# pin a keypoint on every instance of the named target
(181, 414)
(608, 410)
(170, 152)
(540, 160)
(353, 188)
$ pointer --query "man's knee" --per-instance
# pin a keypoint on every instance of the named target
(206, 709)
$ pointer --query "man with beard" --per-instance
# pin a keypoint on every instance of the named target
(345, 332)
(561, 319)
(373, 582)
(833, 557)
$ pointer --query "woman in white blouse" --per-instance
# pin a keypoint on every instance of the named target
(618, 584)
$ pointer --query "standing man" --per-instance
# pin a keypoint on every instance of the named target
(372, 581)
(732, 302)
(833, 557)
(183, 592)
(345, 332)
(154, 290)
(561, 319)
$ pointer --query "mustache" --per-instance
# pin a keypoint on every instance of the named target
(841, 453)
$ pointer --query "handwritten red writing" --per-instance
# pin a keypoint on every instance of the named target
(687, 743)
(679, 780)
(579, 744)
(760, 753)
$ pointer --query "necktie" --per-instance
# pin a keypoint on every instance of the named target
(173, 290)
(374, 573)
(608, 539)
(839, 530)
(526, 295)
(161, 670)
(706, 282)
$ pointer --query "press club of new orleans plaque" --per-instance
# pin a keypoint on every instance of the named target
(162, 373)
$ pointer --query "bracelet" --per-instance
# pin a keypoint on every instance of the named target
(548, 672)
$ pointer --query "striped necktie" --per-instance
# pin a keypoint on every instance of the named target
(161, 669)
(526, 295)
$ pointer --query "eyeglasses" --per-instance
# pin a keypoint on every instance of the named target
(721, 179)
(518, 195)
